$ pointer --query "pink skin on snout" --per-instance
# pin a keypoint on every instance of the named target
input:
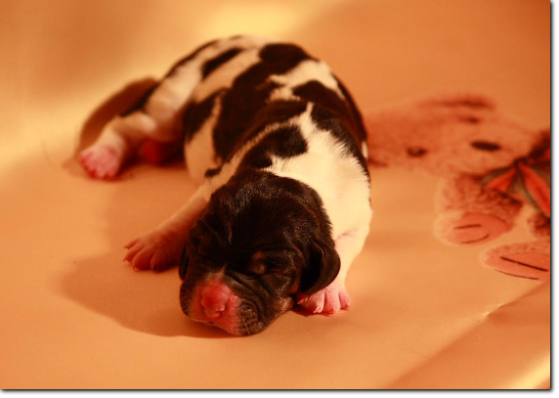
(215, 302)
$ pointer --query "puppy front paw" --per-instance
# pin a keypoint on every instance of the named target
(327, 301)
(101, 161)
(155, 250)
(470, 228)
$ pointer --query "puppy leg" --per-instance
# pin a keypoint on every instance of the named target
(153, 124)
(162, 247)
(335, 297)
(118, 142)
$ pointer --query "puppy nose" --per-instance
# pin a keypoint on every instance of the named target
(214, 301)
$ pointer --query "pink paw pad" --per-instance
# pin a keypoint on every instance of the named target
(101, 161)
(327, 301)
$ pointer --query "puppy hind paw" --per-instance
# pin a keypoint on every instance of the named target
(101, 161)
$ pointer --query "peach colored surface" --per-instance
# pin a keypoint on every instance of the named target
(424, 315)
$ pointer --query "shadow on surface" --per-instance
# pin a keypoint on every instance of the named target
(142, 301)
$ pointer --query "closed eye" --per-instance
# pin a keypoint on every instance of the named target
(258, 268)
(486, 146)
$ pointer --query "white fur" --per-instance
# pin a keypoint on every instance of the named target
(304, 72)
(339, 180)
(227, 74)
(329, 170)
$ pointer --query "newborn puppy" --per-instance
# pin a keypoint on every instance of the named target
(279, 149)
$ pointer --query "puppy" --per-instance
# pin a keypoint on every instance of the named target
(279, 149)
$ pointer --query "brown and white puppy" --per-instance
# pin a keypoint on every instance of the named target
(278, 147)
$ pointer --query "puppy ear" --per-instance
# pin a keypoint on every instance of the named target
(183, 265)
(322, 268)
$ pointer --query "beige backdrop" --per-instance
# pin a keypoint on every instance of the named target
(424, 315)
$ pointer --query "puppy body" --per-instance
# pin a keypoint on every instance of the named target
(278, 147)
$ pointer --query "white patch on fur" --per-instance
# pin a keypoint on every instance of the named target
(224, 78)
(171, 95)
(133, 127)
(333, 173)
(365, 149)
(185, 85)
(303, 73)
(230, 167)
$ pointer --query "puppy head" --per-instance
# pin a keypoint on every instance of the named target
(261, 240)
